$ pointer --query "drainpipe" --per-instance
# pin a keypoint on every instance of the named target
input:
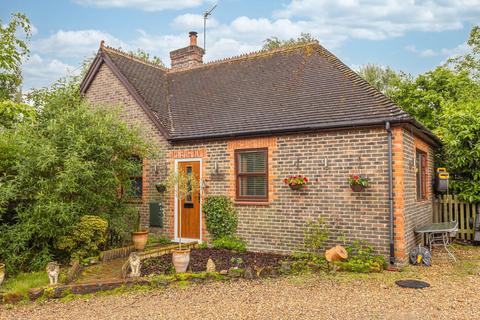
(390, 192)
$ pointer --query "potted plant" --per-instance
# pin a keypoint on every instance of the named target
(2, 273)
(139, 236)
(161, 187)
(358, 183)
(183, 184)
(296, 182)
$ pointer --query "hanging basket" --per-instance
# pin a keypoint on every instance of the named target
(357, 187)
(160, 187)
(296, 186)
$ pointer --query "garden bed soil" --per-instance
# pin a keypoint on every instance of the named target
(221, 258)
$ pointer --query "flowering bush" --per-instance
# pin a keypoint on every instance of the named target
(296, 181)
(358, 180)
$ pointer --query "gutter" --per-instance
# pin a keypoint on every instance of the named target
(390, 193)
(324, 127)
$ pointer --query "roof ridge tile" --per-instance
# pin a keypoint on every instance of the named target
(131, 56)
(244, 56)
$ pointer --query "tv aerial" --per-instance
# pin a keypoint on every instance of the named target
(205, 17)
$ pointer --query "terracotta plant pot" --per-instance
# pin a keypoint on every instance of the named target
(181, 259)
(357, 187)
(139, 239)
(296, 186)
(2, 273)
(337, 253)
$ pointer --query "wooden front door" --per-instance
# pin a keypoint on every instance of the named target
(189, 208)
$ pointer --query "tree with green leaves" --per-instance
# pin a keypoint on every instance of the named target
(460, 133)
(275, 43)
(381, 78)
(70, 162)
(470, 61)
(13, 48)
(12, 113)
(425, 95)
(142, 54)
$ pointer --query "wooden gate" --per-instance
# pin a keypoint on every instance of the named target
(449, 208)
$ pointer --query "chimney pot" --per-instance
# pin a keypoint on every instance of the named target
(189, 56)
(193, 38)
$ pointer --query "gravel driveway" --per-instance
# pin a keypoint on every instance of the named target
(454, 294)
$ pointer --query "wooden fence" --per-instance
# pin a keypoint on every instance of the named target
(449, 208)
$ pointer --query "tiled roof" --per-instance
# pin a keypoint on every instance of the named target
(291, 89)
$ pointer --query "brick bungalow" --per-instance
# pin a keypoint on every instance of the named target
(244, 123)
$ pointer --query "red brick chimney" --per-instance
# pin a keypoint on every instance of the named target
(189, 56)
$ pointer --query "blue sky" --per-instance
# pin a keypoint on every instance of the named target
(408, 35)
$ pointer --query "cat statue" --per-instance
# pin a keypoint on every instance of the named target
(53, 270)
(135, 264)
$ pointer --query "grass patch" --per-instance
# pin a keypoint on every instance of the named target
(158, 240)
(24, 281)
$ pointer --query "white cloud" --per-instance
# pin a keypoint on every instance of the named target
(331, 22)
(192, 22)
(444, 52)
(34, 29)
(146, 5)
(78, 43)
(379, 19)
(41, 72)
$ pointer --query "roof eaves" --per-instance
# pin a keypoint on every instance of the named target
(92, 71)
(321, 127)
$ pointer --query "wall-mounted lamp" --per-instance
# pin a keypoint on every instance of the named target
(323, 162)
(297, 163)
(215, 167)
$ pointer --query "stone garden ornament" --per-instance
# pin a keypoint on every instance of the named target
(53, 270)
(2, 273)
(211, 266)
(135, 264)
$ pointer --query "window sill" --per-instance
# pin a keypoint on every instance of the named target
(422, 201)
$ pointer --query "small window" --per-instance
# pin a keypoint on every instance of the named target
(252, 175)
(188, 197)
(136, 179)
(421, 174)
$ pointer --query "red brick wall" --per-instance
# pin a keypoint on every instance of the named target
(278, 225)
(409, 212)
(327, 158)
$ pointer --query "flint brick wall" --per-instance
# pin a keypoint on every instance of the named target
(107, 90)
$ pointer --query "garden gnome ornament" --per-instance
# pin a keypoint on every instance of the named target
(53, 270)
(135, 264)
(211, 265)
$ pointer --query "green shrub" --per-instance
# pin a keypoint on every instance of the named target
(158, 240)
(314, 235)
(302, 262)
(361, 258)
(221, 217)
(86, 238)
(70, 161)
(231, 243)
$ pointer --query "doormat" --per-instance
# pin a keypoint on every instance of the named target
(414, 284)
